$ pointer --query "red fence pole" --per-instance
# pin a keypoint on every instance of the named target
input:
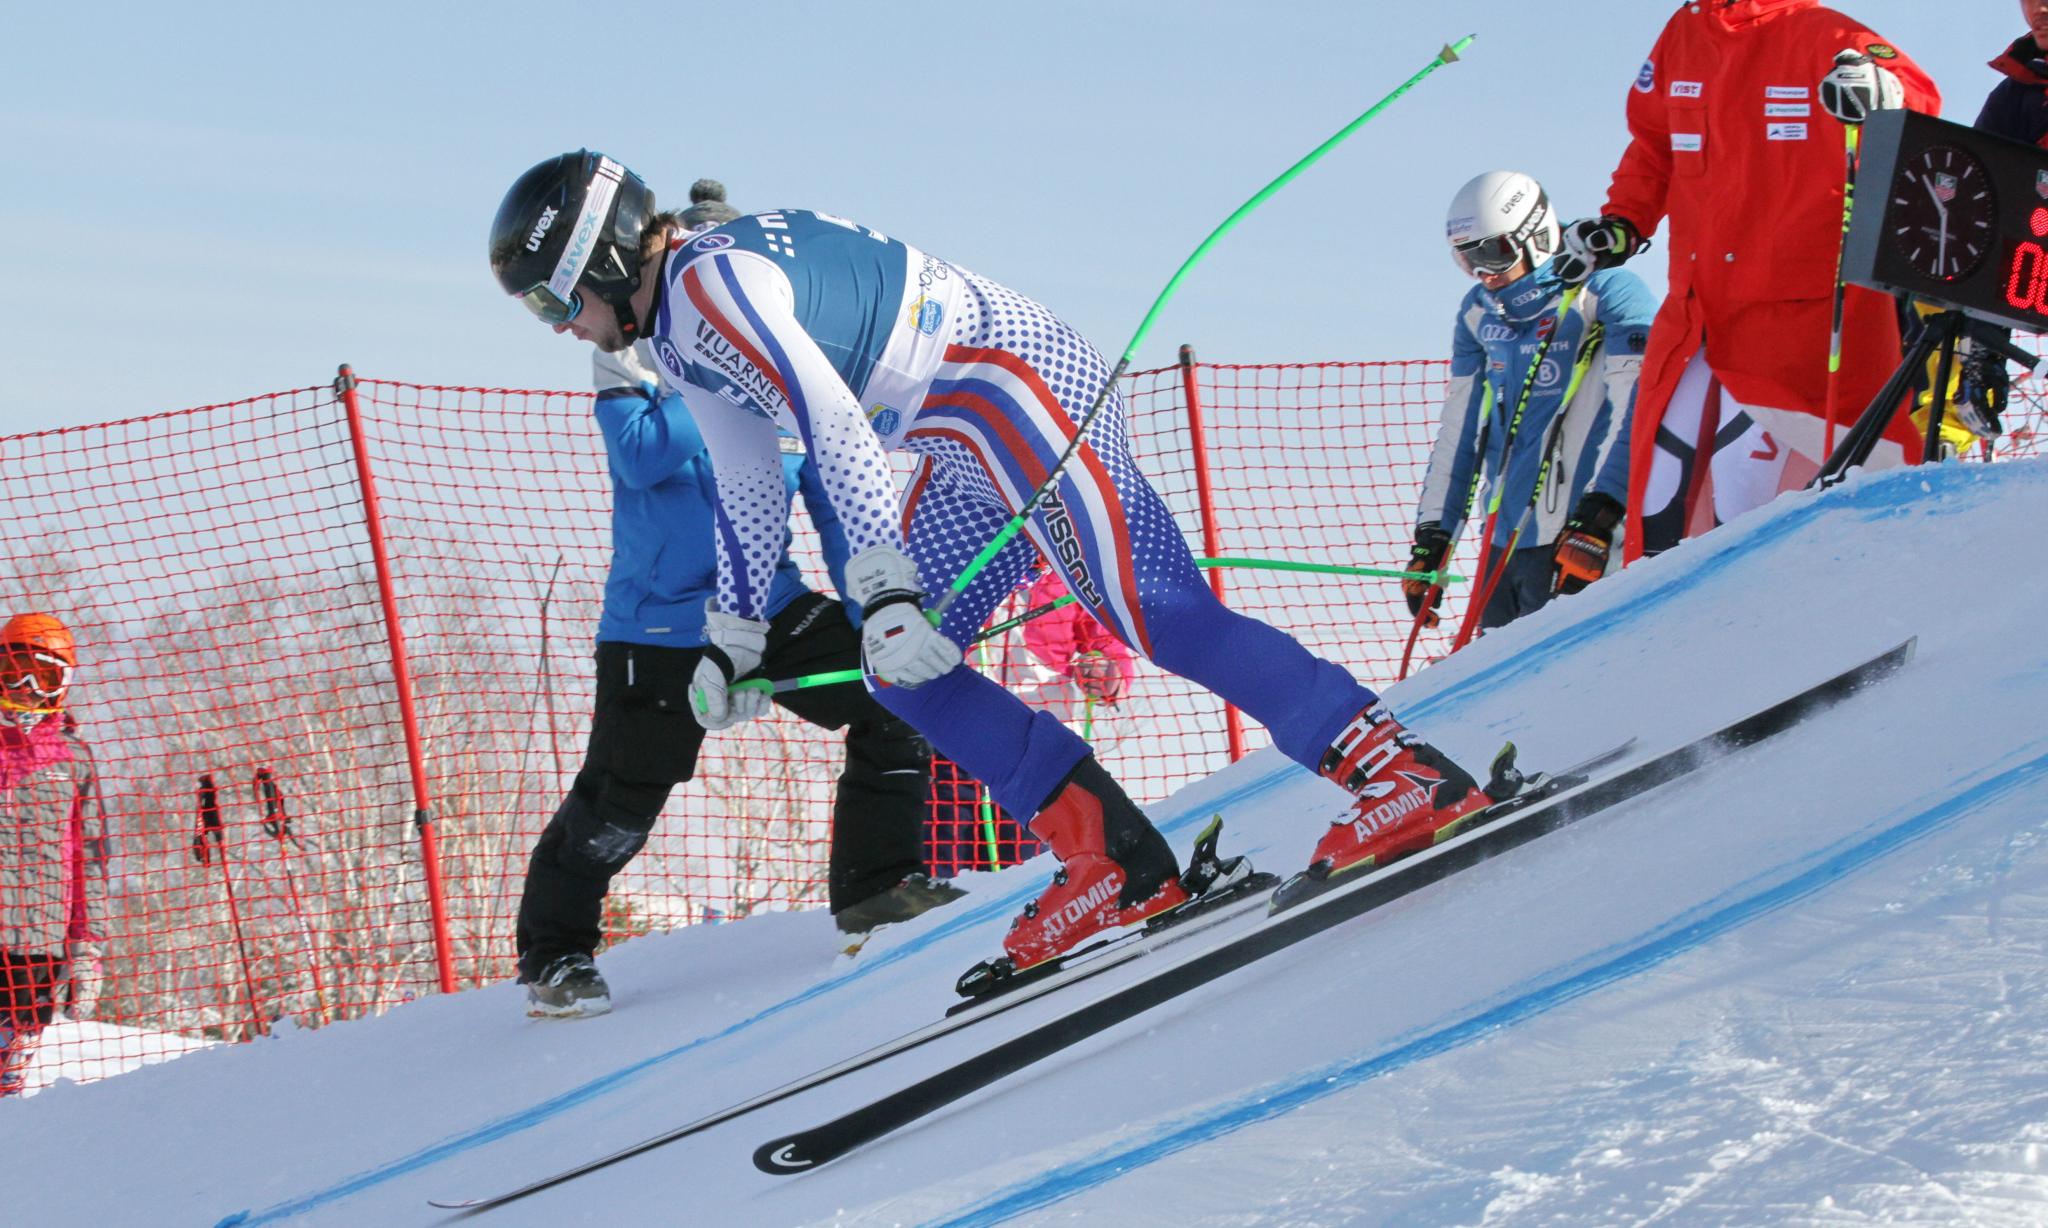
(401, 678)
(1233, 721)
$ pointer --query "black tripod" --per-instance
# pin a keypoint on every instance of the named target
(1939, 331)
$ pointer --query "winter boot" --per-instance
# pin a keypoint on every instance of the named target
(570, 987)
(1410, 795)
(914, 896)
(1115, 869)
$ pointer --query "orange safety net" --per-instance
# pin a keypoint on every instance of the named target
(236, 683)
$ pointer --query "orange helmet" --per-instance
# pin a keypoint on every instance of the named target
(37, 654)
(44, 631)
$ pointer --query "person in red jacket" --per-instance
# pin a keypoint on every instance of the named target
(1737, 143)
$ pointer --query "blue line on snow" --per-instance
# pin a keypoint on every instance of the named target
(1656, 947)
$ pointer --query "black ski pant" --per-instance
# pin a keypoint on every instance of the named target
(1524, 587)
(644, 742)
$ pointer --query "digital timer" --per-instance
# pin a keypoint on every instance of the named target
(1952, 216)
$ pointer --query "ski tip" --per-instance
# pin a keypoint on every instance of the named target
(783, 1157)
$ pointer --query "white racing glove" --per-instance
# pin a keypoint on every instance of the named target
(1857, 86)
(901, 645)
(733, 648)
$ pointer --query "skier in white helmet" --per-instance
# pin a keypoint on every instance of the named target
(1534, 438)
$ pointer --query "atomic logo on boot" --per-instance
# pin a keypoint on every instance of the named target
(1076, 910)
(1385, 815)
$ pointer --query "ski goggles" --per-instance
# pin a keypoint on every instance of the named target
(551, 307)
(1488, 257)
(31, 679)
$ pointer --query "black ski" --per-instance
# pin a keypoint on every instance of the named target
(807, 1149)
(1225, 888)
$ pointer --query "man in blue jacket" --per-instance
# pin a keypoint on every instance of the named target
(1542, 383)
(643, 739)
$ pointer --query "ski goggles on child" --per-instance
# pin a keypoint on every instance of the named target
(32, 679)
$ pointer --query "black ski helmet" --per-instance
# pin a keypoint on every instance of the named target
(572, 224)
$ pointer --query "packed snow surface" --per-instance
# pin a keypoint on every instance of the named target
(1806, 985)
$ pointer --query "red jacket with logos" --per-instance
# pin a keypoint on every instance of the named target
(1733, 154)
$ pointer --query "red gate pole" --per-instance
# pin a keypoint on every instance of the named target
(401, 678)
(1233, 721)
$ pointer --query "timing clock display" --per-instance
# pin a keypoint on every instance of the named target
(1943, 213)
(1954, 217)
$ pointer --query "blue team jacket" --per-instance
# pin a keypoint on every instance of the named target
(664, 557)
(1493, 348)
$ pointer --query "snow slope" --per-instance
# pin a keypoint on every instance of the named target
(1807, 986)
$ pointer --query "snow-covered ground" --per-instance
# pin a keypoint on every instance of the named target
(85, 1051)
(1809, 985)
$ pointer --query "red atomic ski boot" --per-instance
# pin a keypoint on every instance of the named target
(1115, 869)
(1410, 795)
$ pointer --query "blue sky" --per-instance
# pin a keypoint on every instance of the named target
(212, 201)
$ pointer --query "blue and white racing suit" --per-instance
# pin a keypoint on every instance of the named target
(1493, 345)
(859, 344)
(1573, 432)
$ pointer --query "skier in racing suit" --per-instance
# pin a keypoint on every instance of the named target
(1735, 141)
(859, 345)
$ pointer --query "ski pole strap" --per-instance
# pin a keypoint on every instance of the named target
(1448, 55)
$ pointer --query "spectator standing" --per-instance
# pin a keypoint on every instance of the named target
(1543, 376)
(1093, 666)
(1737, 148)
(53, 848)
